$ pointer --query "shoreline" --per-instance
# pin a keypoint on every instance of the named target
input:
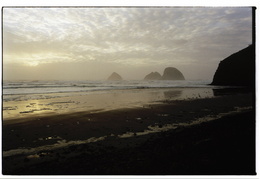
(109, 128)
(111, 100)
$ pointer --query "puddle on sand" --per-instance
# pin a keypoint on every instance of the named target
(35, 110)
(10, 108)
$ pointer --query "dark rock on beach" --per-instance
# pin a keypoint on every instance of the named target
(153, 76)
(172, 73)
(237, 69)
(115, 77)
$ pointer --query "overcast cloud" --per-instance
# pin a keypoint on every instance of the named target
(131, 41)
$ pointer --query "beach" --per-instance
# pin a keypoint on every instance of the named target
(209, 132)
(149, 90)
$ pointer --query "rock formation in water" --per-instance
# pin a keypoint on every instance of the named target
(237, 69)
(172, 73)
(114, 77)
(153, 76)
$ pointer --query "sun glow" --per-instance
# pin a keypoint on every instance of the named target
(92, 43)
(32, 63)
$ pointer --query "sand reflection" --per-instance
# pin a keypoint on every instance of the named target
(99, 101)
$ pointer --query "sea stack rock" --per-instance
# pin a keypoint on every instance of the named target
(237, 69)
(114, 77)
(153, 76)
(172, 73)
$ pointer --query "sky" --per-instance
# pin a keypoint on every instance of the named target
(91, 43)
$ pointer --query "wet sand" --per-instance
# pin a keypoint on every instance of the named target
(51, 104)
(192, 136)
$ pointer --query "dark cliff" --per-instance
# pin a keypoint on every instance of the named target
(237, 69)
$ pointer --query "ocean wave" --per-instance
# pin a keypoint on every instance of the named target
(12, 89)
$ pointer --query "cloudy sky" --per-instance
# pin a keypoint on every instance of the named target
(91, 43)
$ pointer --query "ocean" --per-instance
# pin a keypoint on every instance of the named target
(24, 90)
